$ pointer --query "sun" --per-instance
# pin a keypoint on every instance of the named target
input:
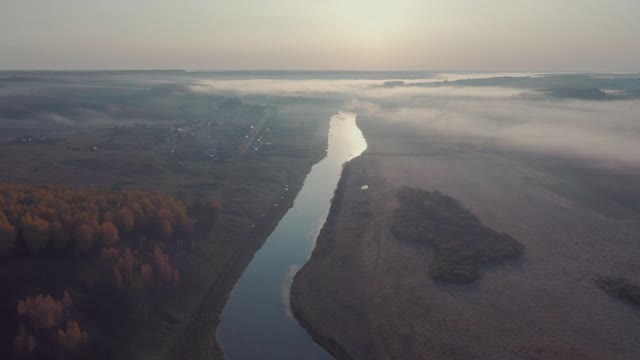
(374, 22)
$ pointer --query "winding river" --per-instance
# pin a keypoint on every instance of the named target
(256, 322)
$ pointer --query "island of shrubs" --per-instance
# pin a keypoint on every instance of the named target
(126, 241)
(621, 288)
(461, 243)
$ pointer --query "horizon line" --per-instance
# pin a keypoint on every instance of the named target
(187, 71)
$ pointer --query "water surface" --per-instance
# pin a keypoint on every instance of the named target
(256, 322)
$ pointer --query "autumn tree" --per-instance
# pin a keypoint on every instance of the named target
(42, 217)
(43, 319)
(139, 218)
(84, 236)
(24, 343)
(124, 220)
(163, 266)
(183, 224)
(109, 234)
(79, 218)
(165, 214)
(149, 210)
(41, 311)
(70, 337)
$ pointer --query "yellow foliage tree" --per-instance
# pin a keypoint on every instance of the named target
(124, 220)
(84, 236)
(109, 234)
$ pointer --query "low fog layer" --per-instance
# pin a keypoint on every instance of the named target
(590, 116)
(554, 114)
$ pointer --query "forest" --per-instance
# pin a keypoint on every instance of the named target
(126, 243)
(461, 243)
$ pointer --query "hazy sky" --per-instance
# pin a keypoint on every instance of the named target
(536, 35)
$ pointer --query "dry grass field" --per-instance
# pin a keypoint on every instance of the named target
(367, 295)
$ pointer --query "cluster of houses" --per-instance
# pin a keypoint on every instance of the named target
(219, 150)
(178, 133)
(30, 139)
(260, 145)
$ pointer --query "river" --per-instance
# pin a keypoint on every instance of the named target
(256, 322)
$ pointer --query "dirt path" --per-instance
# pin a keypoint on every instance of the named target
(378, 228)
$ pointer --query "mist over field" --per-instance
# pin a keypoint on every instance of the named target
(586, 116)
(501, 110)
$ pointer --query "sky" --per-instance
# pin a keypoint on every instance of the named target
(432, 35)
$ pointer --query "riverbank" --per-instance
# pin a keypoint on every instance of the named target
(257, 321)
(366, 295)
(185, 327)
(334, 286)
(302, 280)
(198, 339)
